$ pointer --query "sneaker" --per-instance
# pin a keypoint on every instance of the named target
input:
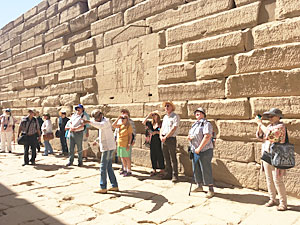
(210, 194)
(101, 191)
(175, 179)
(113, 189)
(198, 189)
(270, 203)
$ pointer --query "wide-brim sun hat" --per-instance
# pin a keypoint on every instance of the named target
(273, 112)
(79, 106)
(200, 109)
(170, 103)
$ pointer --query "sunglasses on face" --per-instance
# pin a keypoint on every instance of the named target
(167, 106)
(123, 118)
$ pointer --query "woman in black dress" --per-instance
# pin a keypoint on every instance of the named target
(153, 129)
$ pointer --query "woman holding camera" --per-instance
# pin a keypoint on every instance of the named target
(274, 132)
(124, 143)
(200, 137)
(156, 154)
(7, 122)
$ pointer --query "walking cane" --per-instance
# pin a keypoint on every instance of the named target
(191, 155)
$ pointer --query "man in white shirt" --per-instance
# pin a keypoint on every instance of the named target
(168, 133)
(107, 145)
(76, 128)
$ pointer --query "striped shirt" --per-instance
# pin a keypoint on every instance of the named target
(198, 130)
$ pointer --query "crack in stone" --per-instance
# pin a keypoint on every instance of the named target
(122, 209)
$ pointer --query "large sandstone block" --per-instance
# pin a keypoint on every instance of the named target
(42, 92)
(141, 157)
(54, 44)
(224, 44)
(181, 109)
(85, 46)
(15, 41)
(107, 24)
(61, 30)
(43, 59)
(105, 10)
(148, 8)
(239, 174)
(170, 55)
(290, 106)
(6, 62)
(195, 90)
(215, 68)
(33, 82)
(51, 101)
(17, 85)
(55, 66)
(20, 103)
(36, 51)
(52, 10)
(263, 84)
(90, 85)
(244, 2)
(70, 99)
(41, 28)
(53, 111)
(90, 57)
(72, 12)
(276, 33)
(85, 72)
(19, 20)
(64, 76)
(74, 62)
(14, 77)
(270, 58)
(39, 39)
(27, 44)
(237, 130)
(66, 88)
(234, 150)
(222, 109)
(77, 37)
(51, 79)
(27, 93)
(64, 4)
(187, 12)
(287, 8)
(94, 3)
(293, 127)
(66, 51)
(89, 99)
(27, 34)
(43, 5)
(176, 73)
(28, 73)
(42, 70)
(113, 111)
(53, 22)
(235, 19)
(20, 57)
(83, 20)
(291, 183)
(15, 50)
(30, 13)
(35, 20)
(120, 5)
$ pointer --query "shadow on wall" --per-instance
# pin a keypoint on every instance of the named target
(15, 210)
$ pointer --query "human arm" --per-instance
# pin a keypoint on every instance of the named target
(146, 118)
(115, 124)
(129, 141)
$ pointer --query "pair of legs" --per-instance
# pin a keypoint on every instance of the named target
(126, 161)
(75, 139)
(169, 153)
(33, 142)
(106, 169)
(48, 148)
(156, 155)
(6, 139)
(275, 183)
(202, 169)
(125, 156)
(63, 143)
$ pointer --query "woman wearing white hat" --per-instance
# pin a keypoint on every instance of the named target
(7, 122)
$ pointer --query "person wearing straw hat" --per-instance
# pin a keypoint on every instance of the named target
(62, 122)
(200, 137)
(7, 123)
(275, 132)
(168, 133)
(107, 145)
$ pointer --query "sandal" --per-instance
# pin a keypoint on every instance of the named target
(152, 173)
(270, 203)
(281, 207)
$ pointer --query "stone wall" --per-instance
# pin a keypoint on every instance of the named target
(235, 58)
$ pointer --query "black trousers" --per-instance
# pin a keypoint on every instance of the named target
(169, 150)
(63, 143)
(33, 144)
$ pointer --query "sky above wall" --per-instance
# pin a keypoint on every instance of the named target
(12, 9)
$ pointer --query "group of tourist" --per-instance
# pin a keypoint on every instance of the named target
(161, 135)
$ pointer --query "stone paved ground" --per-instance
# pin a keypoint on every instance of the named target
(49, 193)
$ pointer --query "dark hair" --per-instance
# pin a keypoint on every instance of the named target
(158, 119)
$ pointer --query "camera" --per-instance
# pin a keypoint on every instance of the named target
(5, 126)
(259, 116)
(191, 154)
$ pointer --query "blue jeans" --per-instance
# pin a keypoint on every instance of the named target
(202, 167)
(48, 148)
(106, 168)
(75, 139)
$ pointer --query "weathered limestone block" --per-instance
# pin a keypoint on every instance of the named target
(5, 46)
(244, 2)
(15, 50)
(6, 104)
(10, 69)
(4, 80)
(235, 19)
(33, 82)
(239, 174)
(181, 109)
(43, 5)
(42, 70)
(20, 103)
(55, 67)
(79, 37)
(27, 44)
(90, 57)
(85, 72)
(53, 111)
(42, 92)
(6, 62)
(27, 93)
(237, 130)
(54, 44)
(61, 30)
(263, 84)
(53, 22)
(148, 8)
(176, 73)
(72, 12)
(113, 111)
(195, 90)
(83, 20)
(70, 87)
(20, 57)
(107, 24)
(51, 79)
(39, 39)
(64, 76)
(30, 13)
(293, 127)
(90, 85)
(19, 20)
(70, 99)
(85, 46)
(33, 102)
(222, 109)
(270, 58)
(185, 126)
(125, 33)
(120, 5)
(105, 10)
(41, 27)
(89, 99)
(27, 34)
(187, 12)
(287, 8)
(215, 68)
(290, 106)
(234, 150)
(8, 27)
(170, 55)
(28, 73)
(4, 55)
(141, 157)
(224, 44)
(51, 101)
(74, 62)
(14, 77)
(52, 10)
(43, 59)
(291, 183)
(36, 51)
(66, 51)
(17, 85)
(35, 20)
(15, 41)
(94, 3)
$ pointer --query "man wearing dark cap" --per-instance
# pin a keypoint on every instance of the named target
(30, 126)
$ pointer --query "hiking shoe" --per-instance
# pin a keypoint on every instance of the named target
(101, 191)
(113, 189)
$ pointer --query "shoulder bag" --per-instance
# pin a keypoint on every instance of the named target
(24, 138)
